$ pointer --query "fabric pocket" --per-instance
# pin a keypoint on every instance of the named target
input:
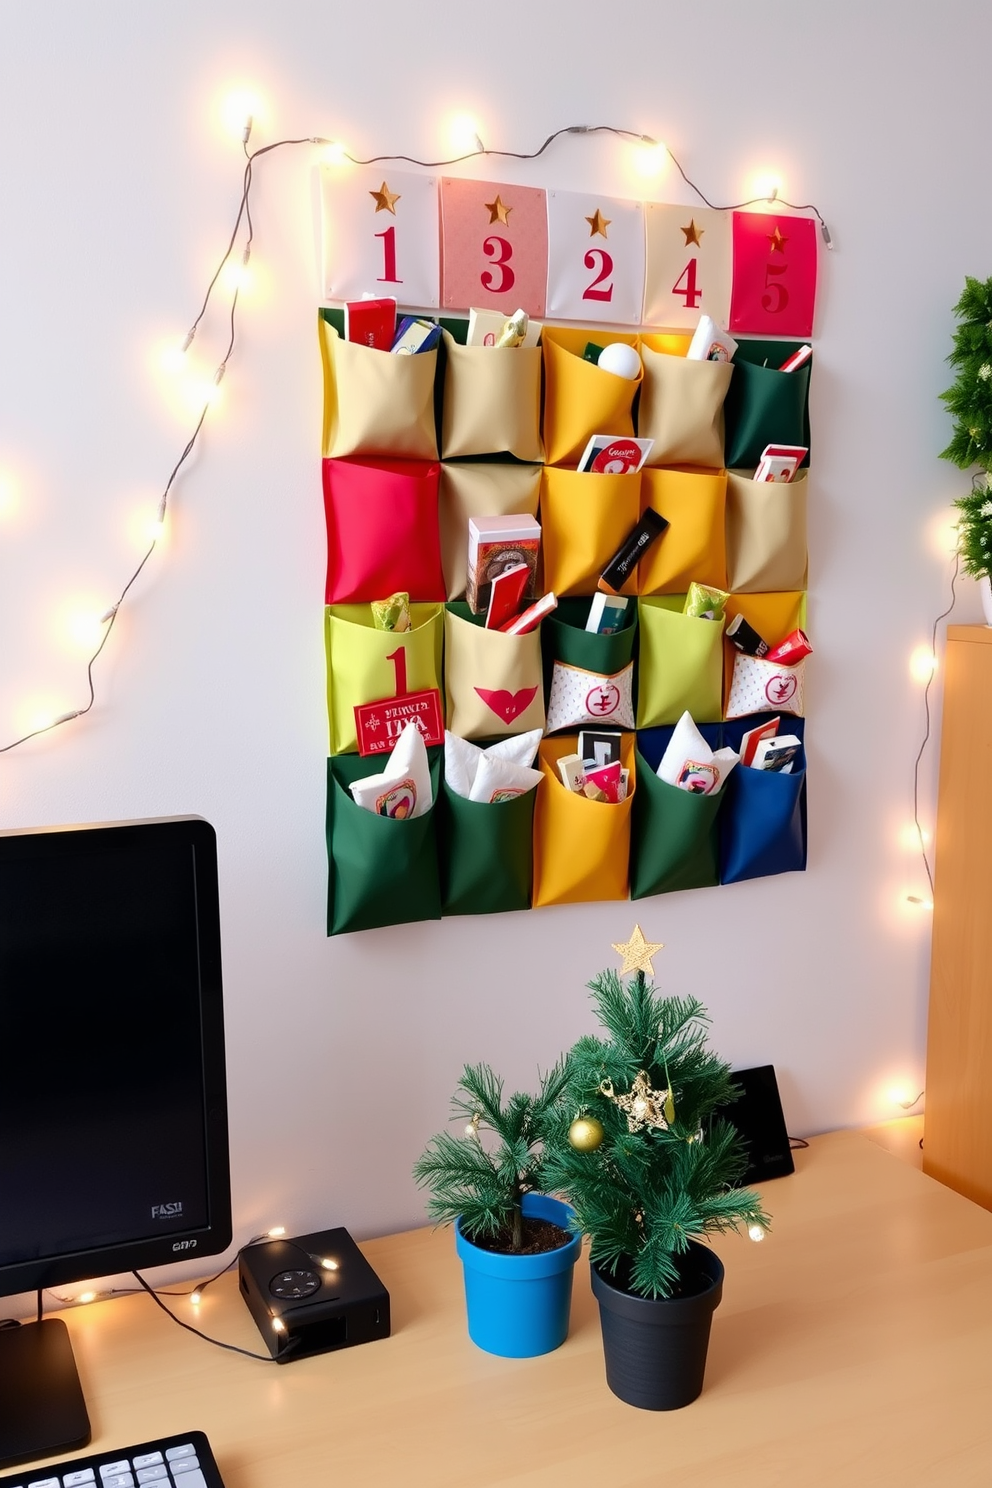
(579, 398)
(773, 616)
(376, 403)
(681, 664)
(694, 546)
(382, 871)
(581, 847)
(578, 698)
(764, 406)
(492, 681)
(758, 685)
(486, 852)
(674, 833)
(763, 822)
(584, 520)
(382, 529)
(492, 401)
(766, 533)
(681, 409)
(565, 639)
(488, 490)
(365, 664)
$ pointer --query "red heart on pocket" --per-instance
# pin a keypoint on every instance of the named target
(507, 705)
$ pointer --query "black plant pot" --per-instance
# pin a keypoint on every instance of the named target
(655, 1347)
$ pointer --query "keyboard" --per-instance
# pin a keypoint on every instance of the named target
(184, 1461)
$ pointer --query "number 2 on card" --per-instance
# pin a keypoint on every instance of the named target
(605, 270)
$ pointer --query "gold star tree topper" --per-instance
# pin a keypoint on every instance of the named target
(637, 952)
(385, 200)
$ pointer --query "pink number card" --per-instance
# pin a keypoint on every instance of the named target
(494, 246)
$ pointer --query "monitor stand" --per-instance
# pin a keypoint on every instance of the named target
(42, 1411)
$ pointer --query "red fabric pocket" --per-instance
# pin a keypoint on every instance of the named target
(382, 530)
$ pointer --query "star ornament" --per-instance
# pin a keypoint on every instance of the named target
(692, 233)
(498, 210)
(598, 224)
(385, 200)
(777, 241)
(637, 952)
(642, 1106)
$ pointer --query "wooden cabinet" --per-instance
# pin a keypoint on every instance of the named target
(957, 1142)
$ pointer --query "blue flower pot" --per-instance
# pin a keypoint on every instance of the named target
(518, 1305)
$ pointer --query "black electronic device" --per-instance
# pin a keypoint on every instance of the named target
(182, 1461)
(312, 1294)
(759, 1118)
(113, 1102)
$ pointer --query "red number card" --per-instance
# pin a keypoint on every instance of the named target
(494, 246)
(595, 258)
(379, 235)
(688, 265)
(379, 725)
(774, 274)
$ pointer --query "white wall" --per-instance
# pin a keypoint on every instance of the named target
(117, 188)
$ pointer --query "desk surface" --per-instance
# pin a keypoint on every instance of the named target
(853, 1347)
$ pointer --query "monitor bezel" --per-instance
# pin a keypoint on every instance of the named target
(20, 844)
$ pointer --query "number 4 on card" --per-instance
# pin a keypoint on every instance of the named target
(687, 273)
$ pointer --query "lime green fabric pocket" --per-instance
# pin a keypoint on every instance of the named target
(382, 871)
(365, 664)
(486, 852)
(681, 664)
(674, 836)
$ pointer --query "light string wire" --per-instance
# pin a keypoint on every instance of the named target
(244, 217)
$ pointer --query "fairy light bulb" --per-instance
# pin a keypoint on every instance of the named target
(8, 497)
(756, 1232)
(920, 901)
(328, 1264)
(276, 1232)
(240, 112)
(333, 152)
(196, 1297)
(463, 132)
(650, 157)
(87, 1296)
(902, 1095)
(922, 664)
(766, 186)
(278, 1326)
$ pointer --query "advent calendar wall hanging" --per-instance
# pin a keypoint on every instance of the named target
(640, 473)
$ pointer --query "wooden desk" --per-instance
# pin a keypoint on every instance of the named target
(853, 1349)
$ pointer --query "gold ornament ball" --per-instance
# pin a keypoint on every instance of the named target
(586, 1133)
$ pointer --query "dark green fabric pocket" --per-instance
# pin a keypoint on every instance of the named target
(486, 853)
(382, 872)
(563, 638)
(764, 406)
(674, 834)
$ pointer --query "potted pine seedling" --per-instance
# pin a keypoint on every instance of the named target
(970, 404)
(513, 1239)
(649, 1170)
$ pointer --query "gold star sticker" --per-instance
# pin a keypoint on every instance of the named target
(385, 200)
(777, 241)
(498, 210)
(598, 224)
(692, 233)
(637, 952)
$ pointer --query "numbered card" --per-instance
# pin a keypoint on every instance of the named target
(774, 274)
(595, 258)
(688, 270)
(494, 246)
(379, 235)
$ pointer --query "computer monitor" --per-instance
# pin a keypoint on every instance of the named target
(113, 1102)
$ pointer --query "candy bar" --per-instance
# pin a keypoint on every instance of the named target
(635, 544)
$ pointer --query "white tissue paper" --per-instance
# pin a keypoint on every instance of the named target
(494, 774)
(691, 765)
(403, 789)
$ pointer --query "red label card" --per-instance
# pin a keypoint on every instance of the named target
(379, 725)
(494, 246)
(774, 290)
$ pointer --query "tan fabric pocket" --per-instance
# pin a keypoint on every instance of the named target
(766, 534)
(479, 491)
(376, 403)
(492, 401)
(681, 409)
(493, 682)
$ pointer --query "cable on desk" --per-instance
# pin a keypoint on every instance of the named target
(233, 1348)
(796, 1144)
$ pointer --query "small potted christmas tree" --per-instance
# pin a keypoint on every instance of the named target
(970, 403)
(514, 1241)
(649, 1170)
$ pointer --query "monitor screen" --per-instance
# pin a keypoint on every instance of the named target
(113, 1124)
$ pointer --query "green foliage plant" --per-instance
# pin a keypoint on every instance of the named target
(970, 399)
(642, 1195)
(482, 1183)
(974, 529)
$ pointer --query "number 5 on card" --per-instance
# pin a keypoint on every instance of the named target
(688, 270)
(379, 235)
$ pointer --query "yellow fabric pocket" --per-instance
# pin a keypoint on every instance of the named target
(766, 534)
(694, 546)
(581, 847)
(493, 682)
(579, 399)
(488, 490)
(376, 403)
(773, 616)
(362, 665)
(584, 519)
(492, 401)
(681, 409)
(680, 666)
